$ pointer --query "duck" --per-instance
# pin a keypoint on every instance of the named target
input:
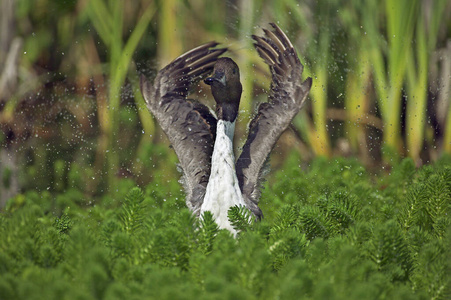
(213, 179)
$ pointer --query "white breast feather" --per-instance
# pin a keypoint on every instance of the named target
(223, 191)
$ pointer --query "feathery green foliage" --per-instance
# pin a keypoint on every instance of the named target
(333, 231)
(240, 217)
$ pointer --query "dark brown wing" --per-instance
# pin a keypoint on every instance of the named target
(188, 124)
(287, 96)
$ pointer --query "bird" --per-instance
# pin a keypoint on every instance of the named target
(203, 141)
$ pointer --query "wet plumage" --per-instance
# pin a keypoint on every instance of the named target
(192, 129)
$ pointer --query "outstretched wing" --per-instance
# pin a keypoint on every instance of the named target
(188, 124)
(287, 96)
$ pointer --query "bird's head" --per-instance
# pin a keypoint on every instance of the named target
(226, 88)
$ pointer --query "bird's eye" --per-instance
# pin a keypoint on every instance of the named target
(234, 71)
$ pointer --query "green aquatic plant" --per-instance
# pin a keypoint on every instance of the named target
(348, 235)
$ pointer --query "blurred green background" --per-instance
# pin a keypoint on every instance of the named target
(72, 115)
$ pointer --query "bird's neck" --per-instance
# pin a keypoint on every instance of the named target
(225, 128)
(228, 111)
(223, 157)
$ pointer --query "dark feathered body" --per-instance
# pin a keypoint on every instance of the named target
(191, 128)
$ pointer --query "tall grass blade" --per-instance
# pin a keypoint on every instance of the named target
(417, 74)
(357, 99)
(417, 94)
(108, 20)
(247, 11)
(169, 41)
(400, 23)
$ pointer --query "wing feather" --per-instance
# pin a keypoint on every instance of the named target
(189, 125)
(287, 96)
